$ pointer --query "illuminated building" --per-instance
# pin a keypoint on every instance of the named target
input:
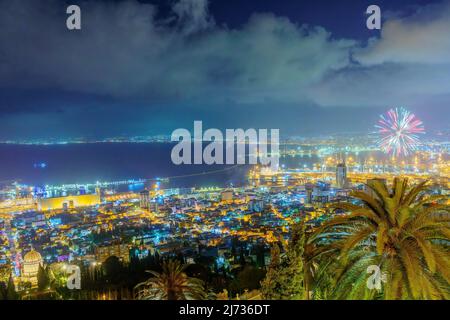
(33, 219)
(121, 251)
(256, 205)
(321, 192)
(309, 191)
(153, 206)
(341, 175)
(68, 202)
(31, 262)
(227, 195)
(144, 199)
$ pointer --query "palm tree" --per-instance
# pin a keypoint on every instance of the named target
(171, 284)
(316, 256)
(399, 230)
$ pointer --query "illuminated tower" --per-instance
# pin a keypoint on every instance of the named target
(309, 187)
(341, 175)
(154, 206)
(144, 199)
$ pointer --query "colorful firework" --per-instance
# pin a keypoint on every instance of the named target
(399, 132)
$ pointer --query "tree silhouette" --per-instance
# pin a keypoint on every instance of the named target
(43, 278)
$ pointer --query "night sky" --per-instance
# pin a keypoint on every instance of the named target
(149, 67)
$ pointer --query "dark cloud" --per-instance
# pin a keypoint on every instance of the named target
(123, 50)
(130, 64)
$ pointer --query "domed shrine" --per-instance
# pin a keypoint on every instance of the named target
(31, 262)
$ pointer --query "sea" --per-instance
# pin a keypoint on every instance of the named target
(105, 162)
(87, 163)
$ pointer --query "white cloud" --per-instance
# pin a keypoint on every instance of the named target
(420, 38)
(193, 15)
(408, 66)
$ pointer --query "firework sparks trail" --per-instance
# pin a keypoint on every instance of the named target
(399, 132)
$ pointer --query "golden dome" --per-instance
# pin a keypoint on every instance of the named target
(30, 267)
(32, 256)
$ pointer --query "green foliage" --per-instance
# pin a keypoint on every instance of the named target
(5, 272)
(11, 293)
(8, 290)
(294, 273)
(401, 230)
(285, 276)
(272, 285)
(43, 278)
(171, 284)
(249, 278)
(403, 233)
(112, 268)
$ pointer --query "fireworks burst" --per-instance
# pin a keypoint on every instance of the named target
(399, 130)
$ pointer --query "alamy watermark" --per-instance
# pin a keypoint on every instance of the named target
(74, 278)
(373, 22)
(376, 278)
(228, 148)
(73, 21)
